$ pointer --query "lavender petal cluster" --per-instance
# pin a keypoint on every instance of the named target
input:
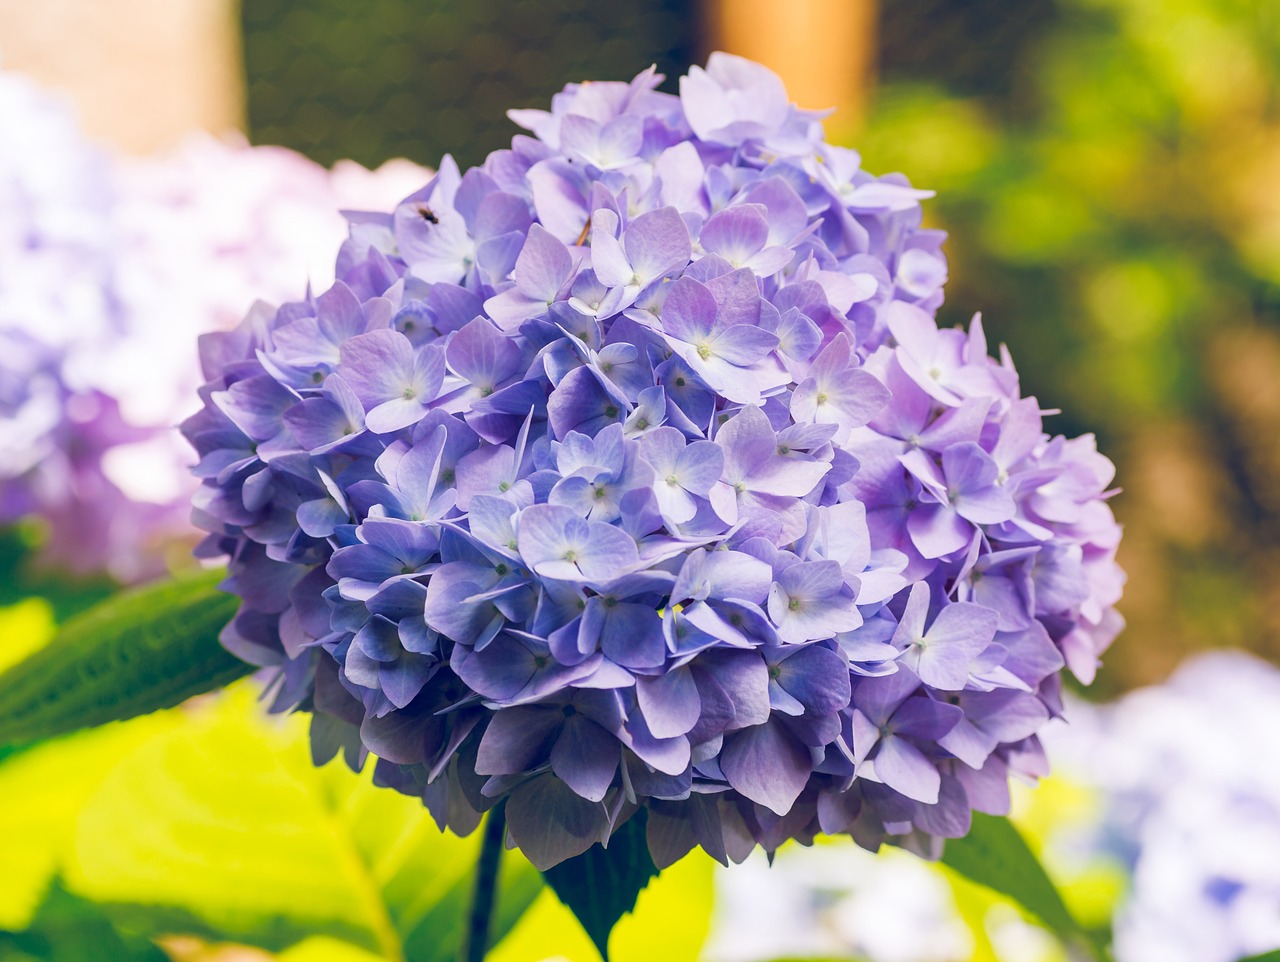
(57, 287)
(631, 470)
(109, 267)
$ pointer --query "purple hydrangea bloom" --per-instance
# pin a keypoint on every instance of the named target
(630, 469)
(108, 268)
(58, 287)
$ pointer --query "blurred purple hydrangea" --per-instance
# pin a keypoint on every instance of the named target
(630, 470)
(108, 269)
(57, 290)
(1189, 806)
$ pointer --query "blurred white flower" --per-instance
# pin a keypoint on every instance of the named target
(1189, 778)
(836, 899)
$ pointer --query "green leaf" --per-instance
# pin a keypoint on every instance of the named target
(140, 651)
(220, 826)
(994, 854)
(70, 929)
(1273, 956)
(22, 577)
(671, 922)
(602, 884)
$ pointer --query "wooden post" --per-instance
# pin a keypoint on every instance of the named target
(141, 73)
(822, 49)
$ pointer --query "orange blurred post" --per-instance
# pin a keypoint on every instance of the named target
(142, 73)
(822, 49)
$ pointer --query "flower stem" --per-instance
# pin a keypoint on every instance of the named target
(475, 939)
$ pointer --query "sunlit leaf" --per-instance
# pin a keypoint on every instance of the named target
(973, 905)
(672, 917)
(438, 925)
(26, 627)
(41, 793)
(318, 948)
(222, 827)
(147, 649)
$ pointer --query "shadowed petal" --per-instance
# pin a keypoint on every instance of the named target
(585, 757)
(767, 765)
(551, 823)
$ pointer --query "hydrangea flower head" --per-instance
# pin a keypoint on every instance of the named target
(630, 470)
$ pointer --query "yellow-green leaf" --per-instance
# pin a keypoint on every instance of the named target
(42, 792)
(222, 826)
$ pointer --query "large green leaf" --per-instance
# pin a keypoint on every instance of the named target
(23, 577)
(222, 827)
(1264, 957)
(147, 649)
(70, 929)
(42, 791)
(994, 854)
(602, 884)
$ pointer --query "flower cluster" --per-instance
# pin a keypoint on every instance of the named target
(1189, 807)
(630, 470)
(57, 287)
(108, 268)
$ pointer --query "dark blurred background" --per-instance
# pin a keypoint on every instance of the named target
(387, 78)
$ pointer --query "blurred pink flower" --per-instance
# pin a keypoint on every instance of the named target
(110, 267)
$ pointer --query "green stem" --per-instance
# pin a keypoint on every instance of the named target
(475, 939)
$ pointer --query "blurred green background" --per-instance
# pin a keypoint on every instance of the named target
(1109, 171)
